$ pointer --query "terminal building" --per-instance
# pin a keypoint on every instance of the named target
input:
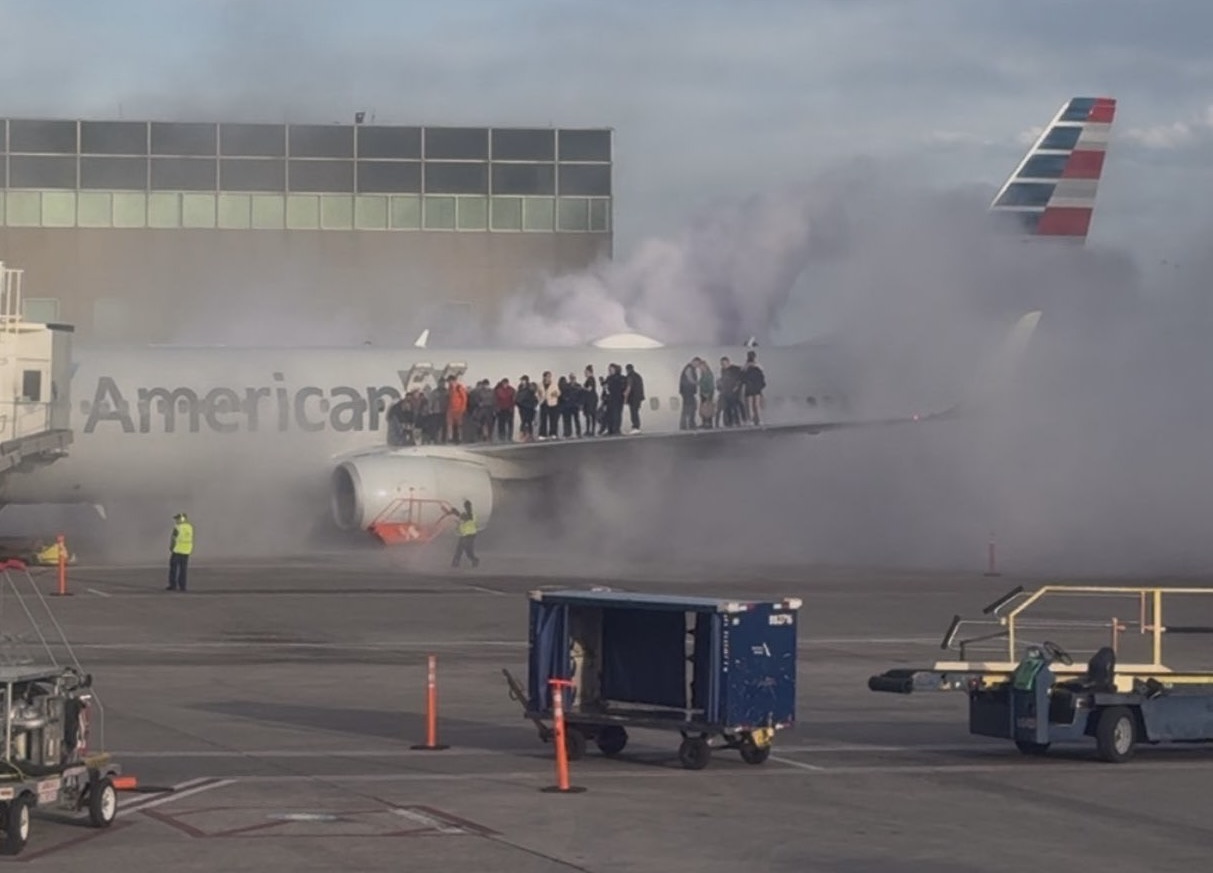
(150, 231)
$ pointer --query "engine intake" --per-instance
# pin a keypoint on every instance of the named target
(394, 487)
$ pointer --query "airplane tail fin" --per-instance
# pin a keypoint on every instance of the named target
(1051, 194)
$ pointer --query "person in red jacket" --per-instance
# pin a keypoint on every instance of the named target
(503, 396)
(457, 407)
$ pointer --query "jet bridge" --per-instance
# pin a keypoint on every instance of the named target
(35, 382)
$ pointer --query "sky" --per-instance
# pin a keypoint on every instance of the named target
(710, 100)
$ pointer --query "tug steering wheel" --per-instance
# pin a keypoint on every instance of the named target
(1056, 652)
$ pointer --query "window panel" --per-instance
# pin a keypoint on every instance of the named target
(111, 173)
(184, 138)
(538, 213)
(600, 216)
(389, 142)
(303, 212)
(439, 213)
(163, 209)
(456, 178)
(23, 209)
(406, 213)
(58, 208)
(585, 179)
(321, 175)
(524, 179)
(321, 141)
(197, 210)
(31, 172)
(473, 213)
(506, 213)
(389, 177)
(337, 212)
(269, 211)
(56, 137)
(94, 209)
(130, 209)
(113, 137)
(585, 145)
(183, 174)
(370, 212)
(252, 175)
(574, 214)
(235, 211)
(457, 143)
(524, 145)
(253, 140)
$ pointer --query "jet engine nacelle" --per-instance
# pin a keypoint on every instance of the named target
(380, 487)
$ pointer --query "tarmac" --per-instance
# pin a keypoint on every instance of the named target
(280, 701)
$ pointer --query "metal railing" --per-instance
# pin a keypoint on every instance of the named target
(1012, 623)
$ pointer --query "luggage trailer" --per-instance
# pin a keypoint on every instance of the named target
(1034, 694)
(720, 672)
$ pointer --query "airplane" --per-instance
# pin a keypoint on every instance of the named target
(166, 422)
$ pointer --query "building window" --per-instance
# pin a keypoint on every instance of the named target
(473, 213)
(439, 213)
(303, 212)
(198, 210)
(406, 212)
(58, 208)
(538, 213)
(370, 212)
(235, 211)
(163, 210)
(130, 209)
(41, 310)
(31, 385)
(506, 213)
(337, 211)
(269, 212)
(23, 209)
(600, 215)
(574, 214)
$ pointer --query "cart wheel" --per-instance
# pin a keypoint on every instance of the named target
(694, 753)
(1116, 734)
(751, 752)
(612, 739)
(102, 803)
(16, 826)
(1031, 748)
(574, 743)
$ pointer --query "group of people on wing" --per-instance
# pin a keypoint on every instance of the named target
(566, 406)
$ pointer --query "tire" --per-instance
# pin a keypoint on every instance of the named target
(694, 753)
(16, 826)
(1116, 734)
(102, 803)
(752, 753)
(611, 740)
(1031, 748)
(574, 743)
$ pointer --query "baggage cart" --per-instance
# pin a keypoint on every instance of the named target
(720, 672)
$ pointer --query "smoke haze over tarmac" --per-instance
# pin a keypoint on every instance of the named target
(1094, 459)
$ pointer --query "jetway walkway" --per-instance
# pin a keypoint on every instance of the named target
(35, 383)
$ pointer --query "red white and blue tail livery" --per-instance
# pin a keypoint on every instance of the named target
(1052, 192)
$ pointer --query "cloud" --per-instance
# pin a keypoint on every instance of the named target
(1195, 130)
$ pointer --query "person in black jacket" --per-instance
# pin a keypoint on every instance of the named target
(527, 401)
(570, 405)
(688, 390)
(613, 387)
(755, 382)
(589, 400)
(634, 396)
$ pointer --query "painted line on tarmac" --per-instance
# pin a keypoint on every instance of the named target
(206, 785)
(801, 764)
(98, 593)
(129, 806)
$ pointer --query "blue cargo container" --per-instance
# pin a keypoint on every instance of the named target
(720, 672)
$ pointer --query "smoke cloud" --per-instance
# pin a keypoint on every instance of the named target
(1093, 460)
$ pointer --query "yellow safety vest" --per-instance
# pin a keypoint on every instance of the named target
(184, 544)
(468, 527)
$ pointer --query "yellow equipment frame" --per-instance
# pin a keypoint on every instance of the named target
(1013, 621)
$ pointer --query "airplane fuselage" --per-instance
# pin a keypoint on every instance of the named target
(163, 422)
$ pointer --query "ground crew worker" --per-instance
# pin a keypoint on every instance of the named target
(467, 534)
(181, 546)
(457, 407)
